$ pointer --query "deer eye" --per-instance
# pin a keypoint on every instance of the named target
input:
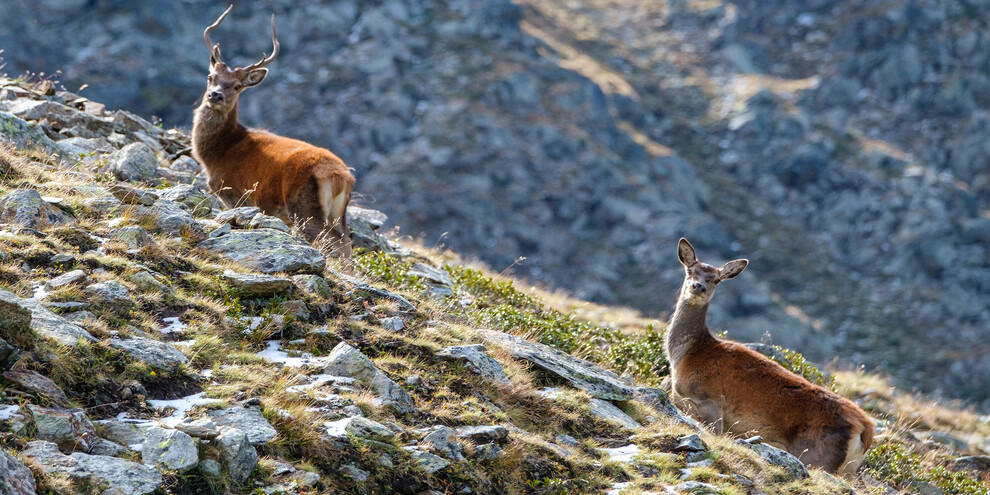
(237, 87)
(209, 78)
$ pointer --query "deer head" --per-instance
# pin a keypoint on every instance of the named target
(224, 84)
(700, 279)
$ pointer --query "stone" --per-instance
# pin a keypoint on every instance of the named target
(103, 205)
(428, 462)
(62, 260)
(192, 197)
(238, 217)
(262, 221)
(247, 419)
(659, 400)
(267, 251)
(132, 195)
(364, 236)
(974, 463)
(13, 316)
(579, 373)
(250, 285)
(295, 309)
(442, 441)
(173, 219)
(794, 468)
(206, 432)
(26, 208)
(483, 434)
(135, 162)
(392, 323)
(313, 285)
(24, 134)
(347, 361)
(37, 383)
(360, 427)
(690, 443)
(430, 274)
(106, 447)
(15, 477)
(147, 282)
(609, 412)
(696, 488)
(487, 452)
(111, 295)
(8, 353)
(185, 164)
(172, 449)
(152, 352)
(374, 218)
(353, 472)
(127, 433)
(239, 455)
(135, 237)
(69, 428)
(567, 441)
(476, 360)
(210, 467)
(43, 321)
(67, 278)
(129, 478)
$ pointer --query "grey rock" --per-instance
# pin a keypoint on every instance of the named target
(239, 455)
(13, 316)
(238, 217)
(609, 412)
(690, 443)
(173, 219)
(111, 295)
(429, 462)
(267, 251)
(153, 352)
(251, 285)
(392, 323)
(374, 218)
(132, 195)
(62, 260)
(430, 274)
(204, 431)
(8, 353)
(103, 205)
(129, 434)
(355, 473)
(147, 282)
(135, 162)
(659, 400)
(578, 372)
(483, 434)
(24, 134)
(69, 428)
(312, 284)
(210, 467)
(695, 487)
(476, 360)
(26, 208)
(442, 441)
(360, 427)
(794, 468)
(364, 236)
(129, 478)
(345, 360)
(15, 477)
(43, 321)
(262, 221)
(487, 452)
(35, 382)
(974, 463)
(106, 447)
(171, 449)
(924, 488)
(185, 164)
(247, 419)
(192, 197)
(134, 236)
(567, 441)
(67, 278)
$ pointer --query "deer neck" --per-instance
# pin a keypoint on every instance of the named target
(214, 131)
(687, 328)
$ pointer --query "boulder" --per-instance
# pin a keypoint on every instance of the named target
(126, 477)
(312, 284)
(135, 162)
(132, 195)
(251, 285)
(26, 208)
(43, 321)
(15, 477)
(267, 251)
(173, 219)
(360, 427)
(69, 428)
(172, 449)
(428, 462)
(152, 352)
(578, 372)
(609, 412)
(476, 360)
(347, 361)
(24, 134)
(247, 419)
(442, 441)
(192, 197)
(238, 217)
(134, 236)
(111, 295)
(67, 278)
(483, 434)
(238, 454)
(34, 382)
(794, 468)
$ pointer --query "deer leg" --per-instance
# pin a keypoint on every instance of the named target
(304, 209)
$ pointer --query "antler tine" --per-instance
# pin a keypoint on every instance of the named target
(265, 60)
(215, 49)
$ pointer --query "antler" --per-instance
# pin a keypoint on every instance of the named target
(265, 60)
(215, 49)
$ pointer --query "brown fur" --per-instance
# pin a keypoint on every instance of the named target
(738, 390)
(284, 177)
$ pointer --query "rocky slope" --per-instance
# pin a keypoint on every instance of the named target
(836, 144)
(152, 343)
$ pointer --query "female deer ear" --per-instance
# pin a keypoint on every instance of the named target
(254, 77)
(732, 268)
(685, 253)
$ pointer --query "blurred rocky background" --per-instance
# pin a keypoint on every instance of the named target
(839, 145)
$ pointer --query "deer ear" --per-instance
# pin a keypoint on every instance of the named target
(732, 268)
(254, 77)
(685, 253)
